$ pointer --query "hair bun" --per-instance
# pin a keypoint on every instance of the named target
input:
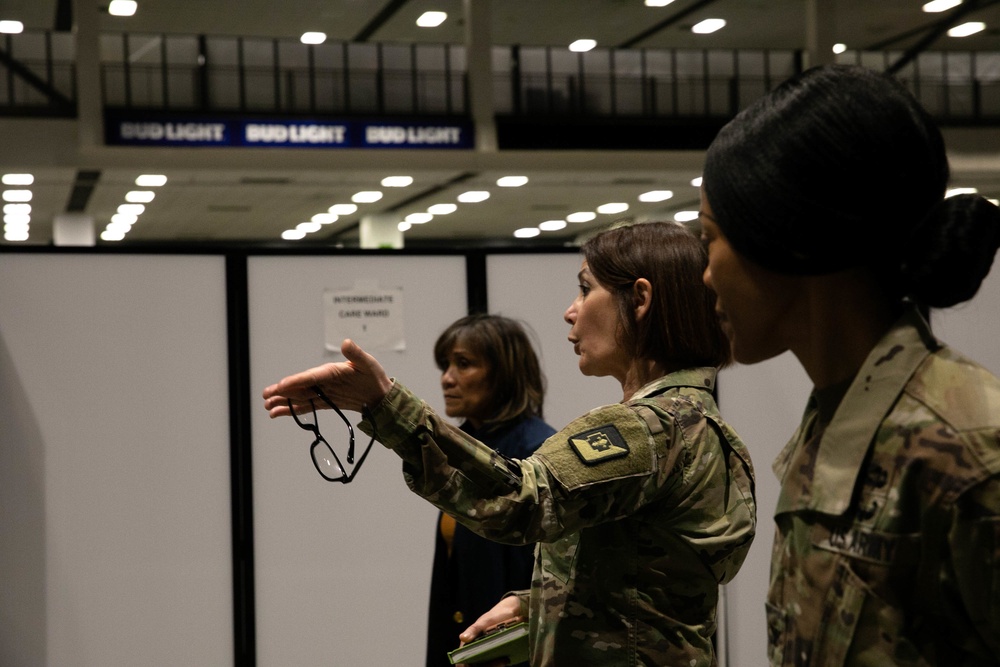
(951, 252)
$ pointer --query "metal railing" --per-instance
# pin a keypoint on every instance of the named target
(192, 73)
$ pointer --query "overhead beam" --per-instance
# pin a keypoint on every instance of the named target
(20, 69)
(936, 30)
(63, 21)
(380, 19)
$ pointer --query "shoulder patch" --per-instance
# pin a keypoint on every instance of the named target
(597, 445)
(607, 444)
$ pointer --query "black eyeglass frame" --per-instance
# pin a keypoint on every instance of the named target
(319, 440)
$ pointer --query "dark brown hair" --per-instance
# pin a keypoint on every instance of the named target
(681, 328)
(514, 372)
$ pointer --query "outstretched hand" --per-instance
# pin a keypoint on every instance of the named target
(353, 384)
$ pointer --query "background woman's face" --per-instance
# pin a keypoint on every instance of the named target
(593, 317)
(753, 304)
(466, 385)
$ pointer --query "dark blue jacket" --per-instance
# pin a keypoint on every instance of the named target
(470, 582)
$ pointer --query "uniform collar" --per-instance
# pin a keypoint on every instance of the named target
(846, 441)
(702, 378)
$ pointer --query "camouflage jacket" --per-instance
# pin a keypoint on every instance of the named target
(887, 547)
(641, 510)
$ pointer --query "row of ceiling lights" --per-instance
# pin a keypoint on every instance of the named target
(134, 206)
(432, 19)
(318, 221)
(332, 214)
(17, 206)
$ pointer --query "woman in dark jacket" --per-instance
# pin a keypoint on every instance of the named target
(491, 378)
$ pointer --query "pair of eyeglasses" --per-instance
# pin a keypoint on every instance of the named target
(324, 456)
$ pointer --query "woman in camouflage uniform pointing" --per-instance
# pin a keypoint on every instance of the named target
(641, 508)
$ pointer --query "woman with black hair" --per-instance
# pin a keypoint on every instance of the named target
(829, 234)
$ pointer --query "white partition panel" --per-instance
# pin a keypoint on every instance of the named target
(114, 462)
(764, 403)
(537, 290)
(973, 328)
(342, 571)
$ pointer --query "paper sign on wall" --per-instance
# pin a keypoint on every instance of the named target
(370, 316)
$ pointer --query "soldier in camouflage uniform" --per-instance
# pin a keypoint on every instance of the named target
(887, 546)
(641, 509)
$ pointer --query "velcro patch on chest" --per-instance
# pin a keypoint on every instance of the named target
(597, 445)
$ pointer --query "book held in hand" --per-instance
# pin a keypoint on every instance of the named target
(504, 640)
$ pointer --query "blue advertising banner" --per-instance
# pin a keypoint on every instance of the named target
(164, 130)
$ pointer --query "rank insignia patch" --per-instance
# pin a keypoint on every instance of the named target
(598, 445)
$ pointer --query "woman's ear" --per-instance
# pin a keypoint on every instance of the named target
(642, 292)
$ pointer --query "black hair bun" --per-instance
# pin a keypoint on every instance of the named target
(951, 252)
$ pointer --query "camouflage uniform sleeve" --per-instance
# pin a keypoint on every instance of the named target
(974, 545)
(592, 471)
(433, 450)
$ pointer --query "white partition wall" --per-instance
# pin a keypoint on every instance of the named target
(114, 462)
(973, 328)
(115, 526)
(342, 571)
(764, 403)
(537, 289)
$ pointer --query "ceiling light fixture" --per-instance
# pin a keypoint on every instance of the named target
(552, 225)
(442, 209)
(151, 180)
(366, 197)
(656, 195)
(431, 19)
(512, 181)
(839, 48)
(582, 45)
(119, 227)
(308, 227)
(17, 208)
(966, 29)
(397, 181)
(696, 182)
(313, 37)
(581, 216)
(527, 232)
(112, 235)
(18, 179)
(325, 218)
(935, 6)
(418, 218)
(293, 234)
(708, 26)
(658, 3)
(131, 209)
(685, 216)
(473, 196)
(612, 208)
(122, 7)
(404, 226)
(11, 27)
(343, 209)
(17, 195)
(951, 192)
(139, 196)
(124, 219)
(17, 218)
